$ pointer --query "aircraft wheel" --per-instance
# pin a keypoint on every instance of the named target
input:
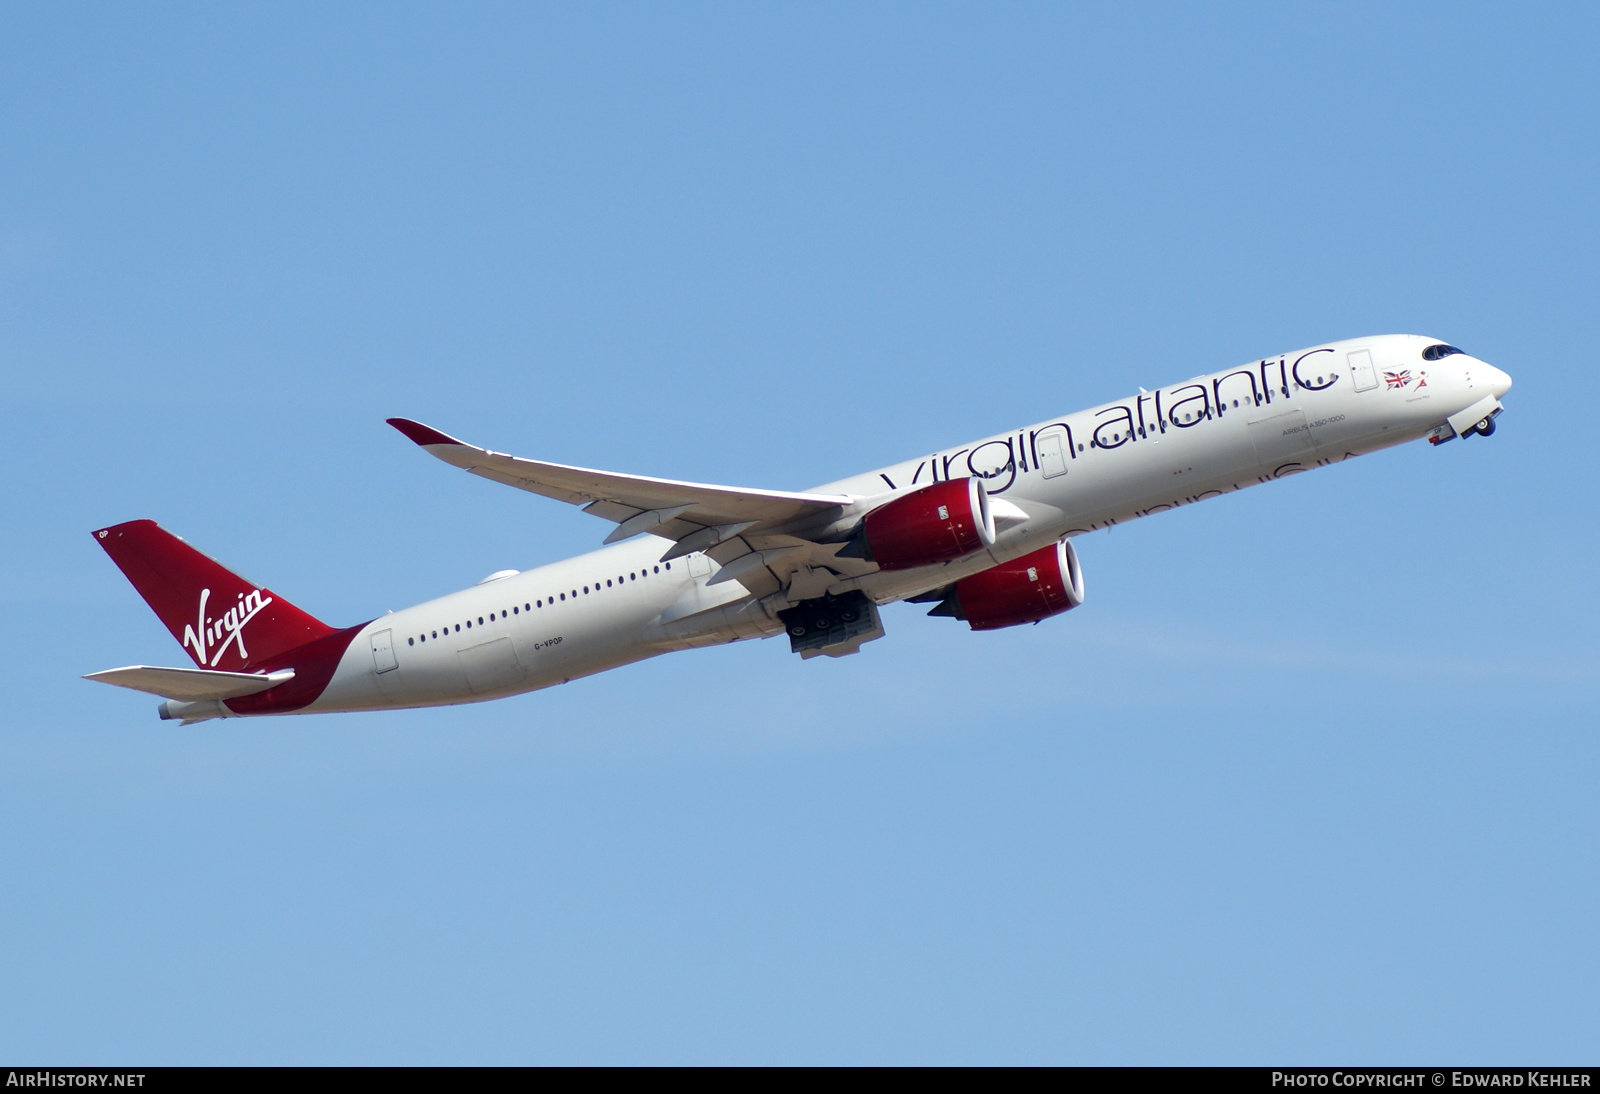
(1486, 427)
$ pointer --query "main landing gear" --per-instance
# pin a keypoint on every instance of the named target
(831, 625)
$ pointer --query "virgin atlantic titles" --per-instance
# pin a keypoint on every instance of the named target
(983, 532)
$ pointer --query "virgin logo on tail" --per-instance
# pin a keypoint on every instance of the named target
(213, 636)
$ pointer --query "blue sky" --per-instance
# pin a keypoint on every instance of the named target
(1309, 778)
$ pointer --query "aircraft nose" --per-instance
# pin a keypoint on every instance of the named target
(1499, 382)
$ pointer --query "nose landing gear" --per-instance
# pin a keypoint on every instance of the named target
(1477, 418)
(1483, 427)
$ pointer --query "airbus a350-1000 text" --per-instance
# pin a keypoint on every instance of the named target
(982, 531)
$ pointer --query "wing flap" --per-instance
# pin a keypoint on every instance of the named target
(190, 685)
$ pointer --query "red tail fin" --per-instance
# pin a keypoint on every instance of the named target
(222, 620)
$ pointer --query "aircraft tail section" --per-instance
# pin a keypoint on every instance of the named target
(222, 620)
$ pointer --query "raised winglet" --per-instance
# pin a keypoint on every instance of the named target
(423, 435)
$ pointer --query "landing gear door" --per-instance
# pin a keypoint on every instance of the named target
(1362, 373)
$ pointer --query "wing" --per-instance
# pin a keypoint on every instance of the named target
(761, 538)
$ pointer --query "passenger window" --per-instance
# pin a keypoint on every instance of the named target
(563, 596)
(469, 624)
(608, 583)
(458, 627)
(480, 620)
(411, 641)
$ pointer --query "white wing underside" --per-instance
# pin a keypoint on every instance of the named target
(760, 538)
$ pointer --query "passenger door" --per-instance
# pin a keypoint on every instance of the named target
(1363, 374)
(383, 651)
(1052, 456)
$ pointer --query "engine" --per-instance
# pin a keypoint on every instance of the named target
(940, 522)
(1024, 590)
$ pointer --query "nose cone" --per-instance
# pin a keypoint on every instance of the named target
(1499, 382)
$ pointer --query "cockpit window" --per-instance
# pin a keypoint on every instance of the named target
(1434, 353)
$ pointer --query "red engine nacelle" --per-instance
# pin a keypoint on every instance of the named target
(942, 521)
(1024, 590)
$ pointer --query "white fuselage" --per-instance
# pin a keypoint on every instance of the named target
(1073, 474)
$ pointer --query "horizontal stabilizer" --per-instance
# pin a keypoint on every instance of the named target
(190, 685)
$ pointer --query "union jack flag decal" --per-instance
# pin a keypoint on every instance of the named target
(1397, 379)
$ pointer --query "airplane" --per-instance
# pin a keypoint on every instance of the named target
(984, 532)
